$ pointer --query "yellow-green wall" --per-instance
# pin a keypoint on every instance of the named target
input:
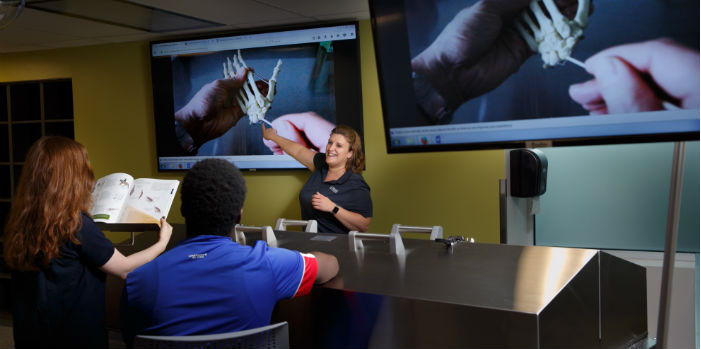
(114, 120)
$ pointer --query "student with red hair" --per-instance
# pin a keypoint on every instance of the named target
(58, 256)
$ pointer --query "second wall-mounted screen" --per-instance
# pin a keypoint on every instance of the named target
(497, 93)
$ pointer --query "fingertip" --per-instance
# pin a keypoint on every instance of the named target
(585, 92)
(607, 68)
(591, 62)
(574, 90)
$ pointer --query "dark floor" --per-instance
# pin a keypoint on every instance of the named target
(115, 339)
(6, 341)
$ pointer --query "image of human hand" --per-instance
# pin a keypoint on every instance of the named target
(640, 77)
(212, 111)
(477, 50)
(308, 129)
(322, 203)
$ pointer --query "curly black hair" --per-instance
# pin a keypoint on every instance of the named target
(212, 195)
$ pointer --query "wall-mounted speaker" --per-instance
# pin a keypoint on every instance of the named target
(528, 172)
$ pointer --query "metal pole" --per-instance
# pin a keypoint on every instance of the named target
(502, 212)
(670, 245)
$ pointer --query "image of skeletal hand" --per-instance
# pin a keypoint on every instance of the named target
(308, 129)
(252, 100)
(478, 49)
(322, 203)
(645, 76)
(212, 111)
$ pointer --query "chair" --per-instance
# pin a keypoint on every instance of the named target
(266, 232)
(436, 231)
(396, 244)
(271, 336)
(310, 226)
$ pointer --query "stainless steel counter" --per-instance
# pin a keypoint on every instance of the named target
(468, 295)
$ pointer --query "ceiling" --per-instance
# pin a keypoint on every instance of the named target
(48, 24)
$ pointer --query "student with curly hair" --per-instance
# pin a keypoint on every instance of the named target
(58, 256)
(209, 284)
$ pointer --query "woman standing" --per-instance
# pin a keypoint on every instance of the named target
(58, 255)
(335, 195)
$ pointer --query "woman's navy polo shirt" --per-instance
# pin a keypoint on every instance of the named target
(350, 192)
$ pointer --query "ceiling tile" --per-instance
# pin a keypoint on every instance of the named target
(123, 13)
(127, 38)
(348, 15)
(251, 23)
(225, 11)
(66, 25)
(36, 30)
(74, 43)
(16, 39)
(326, 8)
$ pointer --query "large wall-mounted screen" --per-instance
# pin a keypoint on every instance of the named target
(459, 74)
(317, 87)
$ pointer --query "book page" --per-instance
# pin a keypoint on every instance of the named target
(109, 194)
(149, 200)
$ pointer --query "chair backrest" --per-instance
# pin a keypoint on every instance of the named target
(271, 336)
(396, 245)
(436, 231)
(266, 232)
(310, 226)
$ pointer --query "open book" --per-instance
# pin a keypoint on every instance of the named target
(119, 198)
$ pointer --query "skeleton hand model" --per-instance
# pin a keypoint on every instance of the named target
(554, 37)
(252, 102)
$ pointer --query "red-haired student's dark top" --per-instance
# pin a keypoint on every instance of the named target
(63, 305)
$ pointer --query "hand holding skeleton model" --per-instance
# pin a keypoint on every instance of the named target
(220, 104)
(209, 114)
(482, 46)
(549, 32)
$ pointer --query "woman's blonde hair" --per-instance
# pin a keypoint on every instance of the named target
(54, 188)
(357, 161)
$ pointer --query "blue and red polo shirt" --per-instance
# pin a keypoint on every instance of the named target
(209, 284)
